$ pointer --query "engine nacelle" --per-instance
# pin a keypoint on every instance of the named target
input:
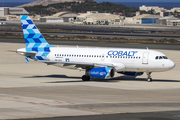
(132, 73)
(101, 72)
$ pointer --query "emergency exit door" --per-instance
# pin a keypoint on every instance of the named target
(145, 58)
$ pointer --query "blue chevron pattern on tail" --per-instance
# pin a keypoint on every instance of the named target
(34, 39)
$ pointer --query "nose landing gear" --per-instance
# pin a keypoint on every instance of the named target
(149, 79)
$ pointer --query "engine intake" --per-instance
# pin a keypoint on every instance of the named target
(101, 72)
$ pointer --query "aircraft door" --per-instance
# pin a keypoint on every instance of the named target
(145, 58)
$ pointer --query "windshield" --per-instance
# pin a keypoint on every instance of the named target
(161, 57)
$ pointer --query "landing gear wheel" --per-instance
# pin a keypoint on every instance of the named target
(85, 78)
(149, 79)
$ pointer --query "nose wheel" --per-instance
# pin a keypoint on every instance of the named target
(149, 79)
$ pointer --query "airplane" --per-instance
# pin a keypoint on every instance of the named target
(98, 63)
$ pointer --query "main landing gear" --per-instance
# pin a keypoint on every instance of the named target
(85, 78)
(149, 79)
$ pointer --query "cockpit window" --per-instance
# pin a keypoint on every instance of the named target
(164, 57)
(160, 57)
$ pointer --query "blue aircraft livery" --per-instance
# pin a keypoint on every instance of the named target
(121, 53)
(34, 39)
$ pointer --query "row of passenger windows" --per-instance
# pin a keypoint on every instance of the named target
(131, 57)
(61, 55)
(160, 57)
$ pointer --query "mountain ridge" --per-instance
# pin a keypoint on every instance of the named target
(48, 2)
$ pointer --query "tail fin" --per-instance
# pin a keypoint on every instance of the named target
(34, 39)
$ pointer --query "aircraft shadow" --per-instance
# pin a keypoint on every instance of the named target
(116, 79)
(131, 78)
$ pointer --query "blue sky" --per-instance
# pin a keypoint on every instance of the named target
(107, 0)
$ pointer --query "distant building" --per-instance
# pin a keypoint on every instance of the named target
(66, 16)
(169, 20)
(145, 19)
(164, 13)
(51, 19)
(175, 9)
(59, 17)
(149, 8)
(93, 17)
(128, 20)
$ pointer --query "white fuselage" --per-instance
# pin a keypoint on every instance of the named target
(140, 60)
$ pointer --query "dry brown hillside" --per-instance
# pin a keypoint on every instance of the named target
(47, 2)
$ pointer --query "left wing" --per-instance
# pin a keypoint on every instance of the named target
(78, 65)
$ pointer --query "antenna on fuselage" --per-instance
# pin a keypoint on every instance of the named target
(147, 48)
(77, 46)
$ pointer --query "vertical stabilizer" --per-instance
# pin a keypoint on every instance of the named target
(34, 39)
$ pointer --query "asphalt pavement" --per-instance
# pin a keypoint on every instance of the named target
(99, 43)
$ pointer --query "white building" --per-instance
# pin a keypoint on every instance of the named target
(175, 9)
(142, 19)
(155, 8)
(169, 21)
(93, 17)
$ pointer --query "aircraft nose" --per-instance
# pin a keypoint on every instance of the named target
(171, 64)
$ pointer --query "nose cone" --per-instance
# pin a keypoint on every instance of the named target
(171, 64)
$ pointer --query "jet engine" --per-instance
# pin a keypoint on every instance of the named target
(101, 72)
